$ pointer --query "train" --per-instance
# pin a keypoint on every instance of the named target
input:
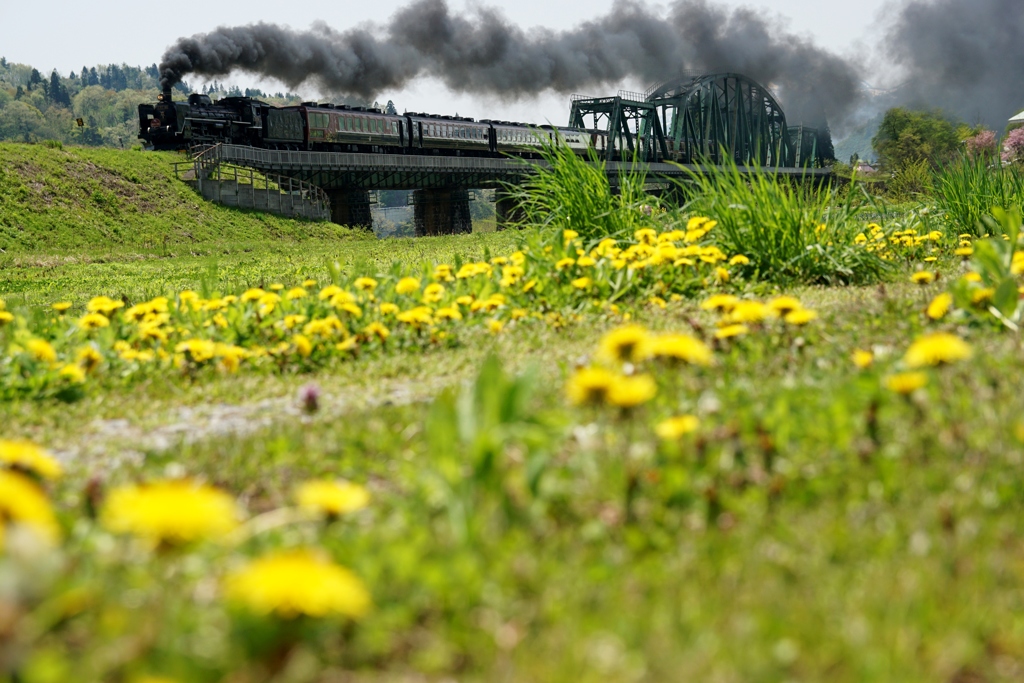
(313, 126)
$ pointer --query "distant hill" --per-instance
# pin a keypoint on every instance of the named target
(80, 199)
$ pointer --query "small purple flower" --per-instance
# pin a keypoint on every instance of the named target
(982, 144)
(1013, 146)
(309, 398)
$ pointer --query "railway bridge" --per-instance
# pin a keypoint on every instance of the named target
(674, 128)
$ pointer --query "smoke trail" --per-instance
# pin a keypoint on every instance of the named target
(965, 56)
(486, 54)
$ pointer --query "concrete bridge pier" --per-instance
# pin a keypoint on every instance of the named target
(441, 212)
(351, 208)
(505, 210)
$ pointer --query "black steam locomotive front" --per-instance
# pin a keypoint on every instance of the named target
(199, 120)
(160, 124)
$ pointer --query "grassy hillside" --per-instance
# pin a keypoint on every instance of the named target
(81, 199)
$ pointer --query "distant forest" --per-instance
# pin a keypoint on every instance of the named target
(104, 98)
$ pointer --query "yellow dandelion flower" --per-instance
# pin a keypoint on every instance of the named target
(198, 350)
(61, 306)
(982, 296)
(93, 321)
(781, 305)
(675, 428)
(309, 283)
(720, 302)
(332, 498)
(303, 346)
(562, 264)
(963, 251)
(585, 262)
(290, 322)
(448, 313)
(22, 502)
(296, 583)
(739, 260)
(103, 305)
(433, 293)
(347, 345)
(388, 309)
(276, 287)
(569, 235)
(365, 284)
(253, 294)
(295, 293)
(630, 392)
(801, 316)
(923, 277)
(862, 359)
(625, 345)
(41, 350)
(938, 348)
(171, 512)
(421, 315)
(6, 317)
(73, 373)
(407, 285)
(589, 386)
(972, 277)
(730, 331)
(939, 306)
(749, 312)
(377, 330)
(464, 300)
(680, 347)
(906, 382)
(495, 326)
(582, 282)
(721, 274)
(27, 456)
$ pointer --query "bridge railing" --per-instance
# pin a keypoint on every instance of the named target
(208, 164)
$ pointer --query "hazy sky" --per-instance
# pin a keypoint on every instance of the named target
(65, 35)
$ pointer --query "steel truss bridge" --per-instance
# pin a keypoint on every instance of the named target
(674, 129)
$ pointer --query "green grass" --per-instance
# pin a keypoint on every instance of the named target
(76, 199)
(966, 189)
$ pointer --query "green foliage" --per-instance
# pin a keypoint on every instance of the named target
(572, 193)
(993, 260)
(789, 231)
(967, 188)
(907, 137)
(911, 180)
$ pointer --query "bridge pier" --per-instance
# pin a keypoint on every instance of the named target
(505, 210)
(351, 208)
(441, 212)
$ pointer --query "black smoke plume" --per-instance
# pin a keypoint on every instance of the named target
(963, 56)
(484, 53)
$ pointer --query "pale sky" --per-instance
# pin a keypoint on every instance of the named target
(65, 35)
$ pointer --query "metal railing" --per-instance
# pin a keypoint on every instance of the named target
(208, 164)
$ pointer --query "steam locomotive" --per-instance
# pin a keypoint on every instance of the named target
(340, 128)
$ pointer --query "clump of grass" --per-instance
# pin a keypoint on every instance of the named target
(790, 231)
(573, 193)
(968, 188)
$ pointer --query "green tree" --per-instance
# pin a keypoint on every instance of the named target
(21, 122)
(909, 137)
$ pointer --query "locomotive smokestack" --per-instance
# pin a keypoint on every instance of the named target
(165, 96)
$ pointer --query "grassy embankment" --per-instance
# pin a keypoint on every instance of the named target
(815, 524)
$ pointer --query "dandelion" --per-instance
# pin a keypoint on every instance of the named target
(377, 330)
(170, 512)
(720, 302)
(862, 359)
(365, 284)
(721, 274)
(906, 382)
(6, 317)
(494, 326)
(61, 306)
(332, 498)
(739, 260)
(972, 277)
(730, 331)
(103, 305)
(407, 285)
(421, 315)
(309, 283)
(582, 282)
(782, 305)
(73, 373)
(41, 350)
(295, 293)
(939, 306)
(589, 386)
(303, 346)
(23, 503)
(982, 296)
(938, 348)
(630, 392)
(624, 345)
(964, 251)
(680, 347)
(800, 317)
(749, 312)
(93, 321)
(297, 583)
(198, 350)
(448, 313)
(923, 277)
(674, 428)
(28, 457)
(564, 263)
(433, 293)
(388, 309)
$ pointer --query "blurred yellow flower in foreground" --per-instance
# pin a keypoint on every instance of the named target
(801, 316)
(624, 344)
(630, 392)
(937, 348)
(906, 382)
(730, 331)
(25, 455)
(680, 347)
(41, 350)
(589, 386)
(923, 277)
(170, 511)
(677, 427)
(407, 285)
(299, 582)
(862, 359)
(22, 502)
(940, 306)
(332, 497)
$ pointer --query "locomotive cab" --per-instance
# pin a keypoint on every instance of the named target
(158, 123)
